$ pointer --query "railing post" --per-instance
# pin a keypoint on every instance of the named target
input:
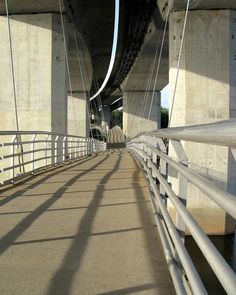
(32, 152)
(77, 148)
(183, 184)
(46, 151)
(64, 149)
(162, 166)
(56, 150)
(14, 139)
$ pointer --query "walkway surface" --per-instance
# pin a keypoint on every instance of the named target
(116, 138)
(84, 228)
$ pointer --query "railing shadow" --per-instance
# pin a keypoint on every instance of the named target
(20, 192)
(72, 260)
(157, 262)
(7, 240)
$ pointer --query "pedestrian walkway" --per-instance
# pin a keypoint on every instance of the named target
(84, 228)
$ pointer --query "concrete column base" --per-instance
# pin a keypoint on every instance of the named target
(40, 76)
(206, 92)
(135, 113)
(106, 118)
(78, 118)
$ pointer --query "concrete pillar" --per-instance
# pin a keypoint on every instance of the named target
(78, 117)
(40, 76)
(206, 92)
(106, 117)
(135, 112)
(39, 63)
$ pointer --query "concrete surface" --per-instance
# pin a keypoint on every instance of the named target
(136, 107)
(85, 228)
(40, 73)
(78, 114)
(116, 138)
(206, 92)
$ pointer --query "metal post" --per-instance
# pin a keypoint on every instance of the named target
(32, 152)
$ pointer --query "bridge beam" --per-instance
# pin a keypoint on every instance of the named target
(136, 107)
(206, 92)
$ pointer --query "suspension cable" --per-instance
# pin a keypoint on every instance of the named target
(143, 107)
(83, 84)
(12, 66)
(179, 61)
(159, 63)
(99, 99)
(67, 65)
(114, 47)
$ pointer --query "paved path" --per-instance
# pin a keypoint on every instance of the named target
(85, 228)
(116, 138)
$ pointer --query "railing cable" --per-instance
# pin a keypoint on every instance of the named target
(67, 65)
(159, 63)
(12, 65)
(83, 84)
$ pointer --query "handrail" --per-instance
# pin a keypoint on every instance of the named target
(150, 150)
(28, 152)
(218, 133)
(10, 132)
(224, 199)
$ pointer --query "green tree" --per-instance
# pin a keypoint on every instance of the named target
(117, 118)
(164, 117)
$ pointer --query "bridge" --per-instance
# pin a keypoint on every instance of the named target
(90, 209)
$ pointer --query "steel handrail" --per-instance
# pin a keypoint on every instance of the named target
(22, 155)
(149, 149)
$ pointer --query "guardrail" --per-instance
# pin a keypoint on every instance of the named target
(150, 150)
(26, 152)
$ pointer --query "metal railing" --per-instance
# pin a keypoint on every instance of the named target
(27, 152)
(151, 151)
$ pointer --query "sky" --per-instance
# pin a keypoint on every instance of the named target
(165, 97)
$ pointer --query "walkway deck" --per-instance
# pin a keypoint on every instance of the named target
(85, 228)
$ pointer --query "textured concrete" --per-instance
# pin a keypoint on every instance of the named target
(40, 73)
(206, 92)
(78, 117)
(82, 229)
(136, 106)
(116, 138)
(106, 117)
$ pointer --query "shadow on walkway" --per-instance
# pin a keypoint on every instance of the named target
(62, 281)
(7, 240)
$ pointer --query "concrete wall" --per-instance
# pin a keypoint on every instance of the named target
(136, 111)
(78, 118)
(106, 117)
(39, 63)
(40, 75)
(206, 92)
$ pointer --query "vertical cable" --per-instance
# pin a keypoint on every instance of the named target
(67, 65)
(159, 63)
(179, 60)
(12, 66)
(83, 84)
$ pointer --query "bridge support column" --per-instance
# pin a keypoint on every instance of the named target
(136, 112)
(40, 75)
(106, 117)
(78, 117)
(206, 92)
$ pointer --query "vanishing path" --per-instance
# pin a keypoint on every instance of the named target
(84, 228)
